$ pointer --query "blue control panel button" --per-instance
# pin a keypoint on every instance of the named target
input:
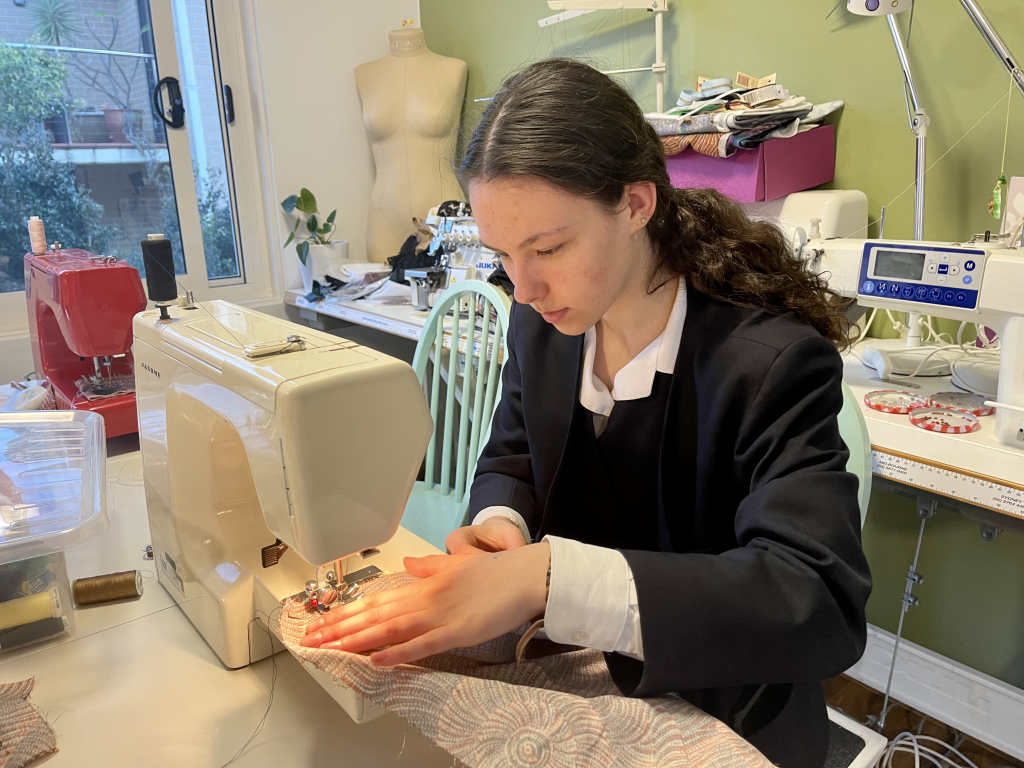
(936, 294)
(922, 292)
(948, 296)
(894, 289)
(943, 269)
(969, 266)
(882, 286)
(868, 287)
(961, 297)
(967, 279)
(908, 291)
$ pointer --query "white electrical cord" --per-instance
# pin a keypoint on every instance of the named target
(911, 743)
(945, 344)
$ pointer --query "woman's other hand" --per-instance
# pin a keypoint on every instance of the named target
(460, 601)
(495, 534)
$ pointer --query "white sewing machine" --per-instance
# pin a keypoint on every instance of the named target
(272, 455)
(980, 282)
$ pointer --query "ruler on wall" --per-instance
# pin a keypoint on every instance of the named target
(979, 490)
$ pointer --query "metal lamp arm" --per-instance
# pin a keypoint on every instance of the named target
(995, 42)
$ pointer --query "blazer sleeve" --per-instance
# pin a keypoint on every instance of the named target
(504, 471)
(788, 603)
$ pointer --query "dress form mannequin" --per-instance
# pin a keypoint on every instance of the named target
(412, 102)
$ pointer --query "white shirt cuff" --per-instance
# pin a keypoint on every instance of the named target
(592, 601)
(509, 514)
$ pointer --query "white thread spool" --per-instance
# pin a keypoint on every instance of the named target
(37, 235)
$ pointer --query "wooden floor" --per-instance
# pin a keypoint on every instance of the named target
(858, 701)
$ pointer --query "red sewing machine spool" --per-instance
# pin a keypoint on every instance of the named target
(80, 310)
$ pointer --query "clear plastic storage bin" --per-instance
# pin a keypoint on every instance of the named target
(52, 497)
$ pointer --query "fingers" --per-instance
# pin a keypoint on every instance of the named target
(426, 566)
(367, 603)
(352, 624)
(432, 565)
(428, 644)
(461, 540)
(496, 534)
(512, 537)
(393, 631)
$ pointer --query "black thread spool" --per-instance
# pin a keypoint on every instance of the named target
(158, 260)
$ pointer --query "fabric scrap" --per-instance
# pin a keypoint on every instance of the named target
(709, 144)
(560, 710)
(25, 736)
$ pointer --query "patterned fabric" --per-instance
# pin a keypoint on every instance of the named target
(710, 144)
(553, 711)
(25, 736)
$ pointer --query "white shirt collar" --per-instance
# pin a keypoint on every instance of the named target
(636, 379)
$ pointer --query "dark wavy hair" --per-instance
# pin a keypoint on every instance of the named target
(568, 124)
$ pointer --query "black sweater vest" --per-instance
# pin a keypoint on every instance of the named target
(611, 482)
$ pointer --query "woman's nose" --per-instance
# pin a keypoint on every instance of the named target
(527, 288)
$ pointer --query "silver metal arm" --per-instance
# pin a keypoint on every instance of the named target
(918, 124)
(995, 42)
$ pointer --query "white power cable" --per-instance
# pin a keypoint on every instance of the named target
(910, 743)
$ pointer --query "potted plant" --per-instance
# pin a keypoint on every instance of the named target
(316, 251)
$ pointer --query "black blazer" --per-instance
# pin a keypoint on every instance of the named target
(763, 596)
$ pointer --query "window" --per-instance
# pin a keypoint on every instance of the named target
(85, 149)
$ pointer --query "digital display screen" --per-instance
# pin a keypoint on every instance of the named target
(902, 265)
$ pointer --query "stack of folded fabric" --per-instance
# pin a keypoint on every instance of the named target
(719, 120)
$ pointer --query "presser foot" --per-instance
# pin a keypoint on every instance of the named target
(323, 598)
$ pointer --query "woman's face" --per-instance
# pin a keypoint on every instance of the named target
(569, 258)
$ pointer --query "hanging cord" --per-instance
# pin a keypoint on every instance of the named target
(1006, 132)
(910, 186)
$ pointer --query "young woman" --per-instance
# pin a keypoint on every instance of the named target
(667, 434)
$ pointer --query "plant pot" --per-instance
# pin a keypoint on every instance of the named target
(320, 261)
(113, 120)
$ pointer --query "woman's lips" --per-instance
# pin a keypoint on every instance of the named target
(554, 317)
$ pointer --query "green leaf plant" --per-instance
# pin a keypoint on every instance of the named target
(303, 207)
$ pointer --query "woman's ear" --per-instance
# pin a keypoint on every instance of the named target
(641, 198)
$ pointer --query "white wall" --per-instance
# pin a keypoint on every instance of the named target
(15, 357)
(311, 117)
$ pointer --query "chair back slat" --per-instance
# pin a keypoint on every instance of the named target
(461, 454)
(481, 377)
(493, 378)
(435, 390)
(449, 408)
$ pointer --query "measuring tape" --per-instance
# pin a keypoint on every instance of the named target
(979, 491)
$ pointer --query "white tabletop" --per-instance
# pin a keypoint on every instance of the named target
(398, 319)
(966, 461)
(137, 685)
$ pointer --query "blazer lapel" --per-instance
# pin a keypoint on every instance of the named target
(677, 487)
(563, 364)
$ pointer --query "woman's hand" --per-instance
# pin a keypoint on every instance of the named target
(461, 601)
(495, 534)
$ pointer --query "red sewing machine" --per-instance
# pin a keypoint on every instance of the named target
(80, 310)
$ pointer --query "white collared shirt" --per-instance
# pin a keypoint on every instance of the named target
(592, 601)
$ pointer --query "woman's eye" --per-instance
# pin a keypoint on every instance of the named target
(549, 251)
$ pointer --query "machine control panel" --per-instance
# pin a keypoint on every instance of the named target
(922, 273)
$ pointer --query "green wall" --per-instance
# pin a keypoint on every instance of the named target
(972, 602)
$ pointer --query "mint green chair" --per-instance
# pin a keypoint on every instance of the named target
(471, 371)
(854, 430)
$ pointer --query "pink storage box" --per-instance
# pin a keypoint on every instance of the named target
(776, 168)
